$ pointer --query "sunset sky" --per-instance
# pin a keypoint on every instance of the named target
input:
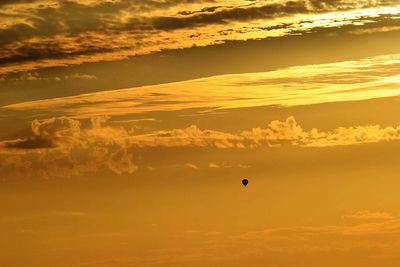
(128, 125)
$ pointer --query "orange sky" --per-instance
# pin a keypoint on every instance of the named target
(128, 125)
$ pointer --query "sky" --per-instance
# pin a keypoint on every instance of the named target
(127, 127)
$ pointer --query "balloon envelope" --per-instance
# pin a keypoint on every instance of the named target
(245, 182)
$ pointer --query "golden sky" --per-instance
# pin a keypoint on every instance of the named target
(128, 125)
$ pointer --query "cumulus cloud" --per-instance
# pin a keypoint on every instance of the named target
(63, 147)
(190, 136)
(276, 133)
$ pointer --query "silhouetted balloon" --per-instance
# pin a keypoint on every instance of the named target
(245, 182)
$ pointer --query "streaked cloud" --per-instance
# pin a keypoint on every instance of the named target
(363, 79)
(191, 166)
(367, 215)
(213, 165)
(34, 76)
(375, 30)
(308, 234)
(374, 241)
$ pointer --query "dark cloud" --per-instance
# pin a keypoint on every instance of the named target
(46, 134)
(51, 50)
(233, 14)
(30, 143)
(74, 29)
(220, 15)
(69, 18)
(16, 32)
(206, 9)
(62, 147)
(13, 2)
(73, 18)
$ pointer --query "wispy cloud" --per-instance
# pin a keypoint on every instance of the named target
(191, 166)
(371, 241)
(368, 78)
(367, 215)
(34, 76)
(375, 30)
(304, 233)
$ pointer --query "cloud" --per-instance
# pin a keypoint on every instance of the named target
(366, 215)
(377, 237)
(375, 30)
(15, 2)
(191, 166)
(79, 76)
(367, 242)
(309, 232)
(190, 136)
(368, 78)
(63, 147)
(220, 15)
(276, 133)
(243, 166)
(52, 33)
(213, 165)
(29, 143)
(34, 76)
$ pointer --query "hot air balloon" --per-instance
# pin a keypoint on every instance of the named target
(245, 182)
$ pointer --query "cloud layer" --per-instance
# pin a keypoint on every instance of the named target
(276, 133)
(47, 33)
(63, 147)
(368, 78)
(372, 242)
